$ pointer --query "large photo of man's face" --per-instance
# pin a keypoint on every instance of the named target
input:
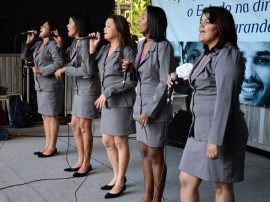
(256, 85)
(193, 50)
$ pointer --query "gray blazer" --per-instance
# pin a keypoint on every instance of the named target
(48, 60)
(81, 66)
(111, 75)
(152, 76)
(215, 101)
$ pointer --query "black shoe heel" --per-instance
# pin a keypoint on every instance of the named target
(37, 153)
(82, 174)
(109, 187)
(110, 195)
(41, 155)
(72, 169)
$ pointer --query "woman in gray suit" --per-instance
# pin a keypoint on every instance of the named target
(155, 59)
(47, 59)
(87, 91)
(117, 98)
(215, 150)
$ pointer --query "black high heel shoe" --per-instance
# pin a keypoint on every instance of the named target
(41, 155)
(37, 153)
(109, 187)
(72, 169)
(82, 174)
(110, 195)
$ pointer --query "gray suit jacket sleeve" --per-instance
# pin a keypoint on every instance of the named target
(26, 51)
(83, 62)
(228, 77)
(166, 66)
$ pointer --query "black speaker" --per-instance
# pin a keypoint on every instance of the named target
(179, 128)
(3, 90)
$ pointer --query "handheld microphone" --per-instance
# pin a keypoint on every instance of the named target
(87, 37)
(174, 77)
(126, 62)
(90, 37)
(125, 77)
(29, 32)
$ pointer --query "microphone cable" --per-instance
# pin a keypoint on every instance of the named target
(32, 181)
(90, 142)
(46, 179)
(38, 180)
(168, 116)
(75, 193)
(67, 151)
(164, 152)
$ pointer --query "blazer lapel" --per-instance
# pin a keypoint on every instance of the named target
(38, 49)
(151, 49)
(138, 58)
(196, 71)
(113, 55)
(103, 54)
(74, 50)
(198, 68)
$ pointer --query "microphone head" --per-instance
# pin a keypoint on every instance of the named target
(90, 37)
(173, 76)
(29, 32)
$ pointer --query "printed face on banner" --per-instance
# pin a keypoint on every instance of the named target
(193, 50)
(256, 84)
(186, 52)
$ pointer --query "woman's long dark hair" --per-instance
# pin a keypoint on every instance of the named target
(123, 29)
(82, 23)
(224, 21)
(52, 25)
(157, 23)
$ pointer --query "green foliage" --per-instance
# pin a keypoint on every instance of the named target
(138, 7)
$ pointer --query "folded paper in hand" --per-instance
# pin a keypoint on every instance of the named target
(183, 70)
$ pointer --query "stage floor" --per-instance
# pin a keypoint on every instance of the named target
(24, 177)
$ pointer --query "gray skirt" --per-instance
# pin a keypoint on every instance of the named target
(49, 103)
(229, 167)
(154, 135)
(117, 121)
(83, 106)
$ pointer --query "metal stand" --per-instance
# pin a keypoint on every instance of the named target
(27, 66)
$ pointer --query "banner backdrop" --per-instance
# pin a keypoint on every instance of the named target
(252, 19)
